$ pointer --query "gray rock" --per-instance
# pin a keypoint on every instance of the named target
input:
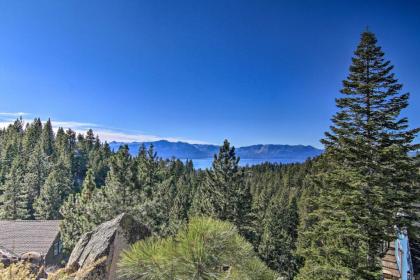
(34, 258)
(96, 254)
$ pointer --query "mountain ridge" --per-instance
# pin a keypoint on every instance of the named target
(183, 150)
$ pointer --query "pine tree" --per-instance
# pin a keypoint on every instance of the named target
(88, 187)
(32, 135)
(148, 170)
(371, 177)
(278, 244)
(330, 240)
(57, 187)
(9, 152)
(14, 198)
(90, 139)
(224, 193)
(71, 226)
(11, 147)
(119, 194)
(35, 175)
(203, 249)
(181, 202)
(98, 161)
(76, 213)
(47, 139)
(61, 143)
(80, 161)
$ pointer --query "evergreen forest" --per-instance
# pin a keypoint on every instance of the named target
(326, 218)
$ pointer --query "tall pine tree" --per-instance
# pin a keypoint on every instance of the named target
(278, 244)
(224, 193)
(120, 192)
(76, 212)
(47, 139)
(35, 175)
(14, 198)
(370, 185)
(57, 186)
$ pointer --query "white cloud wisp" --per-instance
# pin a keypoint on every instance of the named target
(104, 133)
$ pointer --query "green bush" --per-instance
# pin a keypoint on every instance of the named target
(204, 249)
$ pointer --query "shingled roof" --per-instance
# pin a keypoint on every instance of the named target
(28, 236)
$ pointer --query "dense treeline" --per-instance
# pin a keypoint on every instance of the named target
(261, 201)
(47, 175)
(40, 168)
(328, 218)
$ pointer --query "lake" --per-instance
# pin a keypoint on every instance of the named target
(204, 163)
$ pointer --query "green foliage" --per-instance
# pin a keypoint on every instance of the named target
(181, 199)
(35, 175)
(14, 199)
(162, 201)
(347, 201)
(38, 169)
(92, 206)
(224, 193)
(56, 188)
(148, 170)
(331, 241)
(205, 249)
(369, 179)
(278, 242)
(120, 191)
(75, 221)
(47, 139)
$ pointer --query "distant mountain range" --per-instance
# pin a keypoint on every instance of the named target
(182, 150)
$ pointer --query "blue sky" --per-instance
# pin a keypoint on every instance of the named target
(198, 71)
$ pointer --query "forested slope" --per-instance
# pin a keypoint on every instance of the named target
(328, 218)
(47, 175)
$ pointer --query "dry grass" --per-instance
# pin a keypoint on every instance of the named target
(16, 271)
(89, 272)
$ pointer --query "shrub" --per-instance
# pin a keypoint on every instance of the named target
(204, 249)
(16, 271)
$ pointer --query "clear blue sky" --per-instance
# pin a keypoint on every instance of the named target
(250, 71)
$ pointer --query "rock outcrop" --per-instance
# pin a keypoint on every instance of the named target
(96, 254)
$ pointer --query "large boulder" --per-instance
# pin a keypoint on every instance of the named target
(34, 258)
(96, 254)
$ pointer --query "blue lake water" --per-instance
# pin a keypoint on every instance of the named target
(204, 163)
